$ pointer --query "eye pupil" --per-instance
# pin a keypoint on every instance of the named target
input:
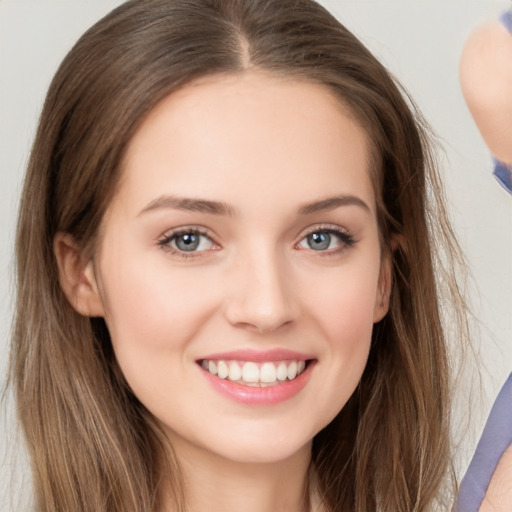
(187, 242)
(319, 241)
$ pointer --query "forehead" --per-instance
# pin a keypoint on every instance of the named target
(256, 129)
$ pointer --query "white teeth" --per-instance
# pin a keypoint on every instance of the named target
(292, 370)
(267, 373)
(212, 367)
(222, 370)
(282, 371)
(250, 372)
(235, 372)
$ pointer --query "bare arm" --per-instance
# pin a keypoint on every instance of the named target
(486, 78)
(499, 493)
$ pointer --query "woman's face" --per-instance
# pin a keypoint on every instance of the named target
(239, 269)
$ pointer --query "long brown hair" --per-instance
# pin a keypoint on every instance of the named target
(93, 445)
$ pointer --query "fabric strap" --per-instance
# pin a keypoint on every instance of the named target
(496, 438)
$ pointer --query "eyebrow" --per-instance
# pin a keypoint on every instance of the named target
(332, 203)
(220, 208)
(189, 204)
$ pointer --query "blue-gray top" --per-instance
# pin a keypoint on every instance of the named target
(496, 438)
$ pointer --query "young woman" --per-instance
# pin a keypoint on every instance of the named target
(227, 260)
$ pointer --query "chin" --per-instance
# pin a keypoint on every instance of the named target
(270, 453)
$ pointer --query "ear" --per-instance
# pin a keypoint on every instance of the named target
(383, 288)
(77, 277)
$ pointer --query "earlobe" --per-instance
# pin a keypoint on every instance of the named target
(77, 277)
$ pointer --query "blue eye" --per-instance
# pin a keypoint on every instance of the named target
(187, 241)
(326, 240)
(319, 241)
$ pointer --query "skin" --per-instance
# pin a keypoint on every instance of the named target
(264, 147)
(499, 493)
(486, 79)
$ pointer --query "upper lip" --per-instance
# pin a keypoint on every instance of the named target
(277, 354)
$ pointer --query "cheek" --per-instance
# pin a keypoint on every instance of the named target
(153, 316)
(150, 309)
(344, 306)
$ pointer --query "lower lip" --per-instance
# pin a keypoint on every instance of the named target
(250, 395)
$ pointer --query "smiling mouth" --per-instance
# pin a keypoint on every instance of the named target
(255, 374)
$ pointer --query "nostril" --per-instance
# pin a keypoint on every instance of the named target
(260, 300)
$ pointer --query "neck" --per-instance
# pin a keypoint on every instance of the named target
(214, 483)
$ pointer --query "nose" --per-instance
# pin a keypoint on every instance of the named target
(261, 297)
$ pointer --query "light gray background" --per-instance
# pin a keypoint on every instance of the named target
(419, 40)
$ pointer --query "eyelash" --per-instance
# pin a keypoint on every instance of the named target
(165, 241)
(345, 238)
